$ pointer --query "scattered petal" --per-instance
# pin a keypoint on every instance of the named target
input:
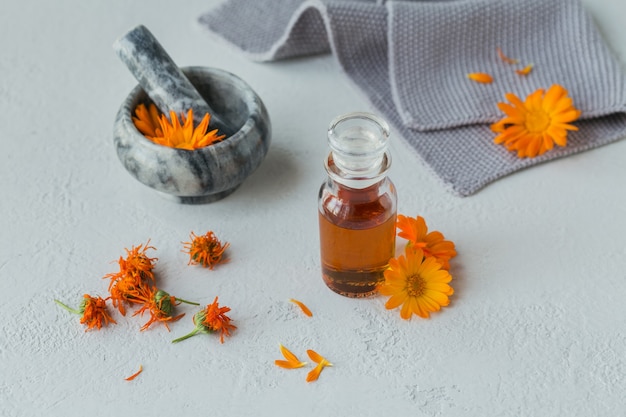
(292, 361)
(505, 58)
(303, 307)
(526, 70)
(133, 376)
(480, 77)
(321, 364)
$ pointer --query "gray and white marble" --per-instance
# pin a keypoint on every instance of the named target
(162, 79)
(207, 174)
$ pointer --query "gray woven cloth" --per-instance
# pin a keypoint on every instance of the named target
(411, 59)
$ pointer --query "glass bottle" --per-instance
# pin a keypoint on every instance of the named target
(357, 206)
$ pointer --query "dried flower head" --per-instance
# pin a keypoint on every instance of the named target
(136, 263)
(206, 250)
(160, 305)
(134, 274)
(211, 319)
(432, 244)
(417, 283)
(93, 312)
(533, 126)
(176, 133)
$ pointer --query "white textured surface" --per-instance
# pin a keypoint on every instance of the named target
(537, 326)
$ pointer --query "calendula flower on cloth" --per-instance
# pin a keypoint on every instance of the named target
(160, 305)
(417, 283)
(432, 244)
(533, 126)
(212, 319)
(321, 364)
(291, 362)
(93, 312)
(176, 133)
(206, 250)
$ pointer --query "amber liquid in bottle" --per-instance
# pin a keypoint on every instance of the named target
(357, 238)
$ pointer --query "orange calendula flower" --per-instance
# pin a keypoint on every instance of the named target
(417, 283)
(206, 250)
(321, 364)
(134, 274)
(176, 133)
(211, 319)
(133, 376)
(432, 244)
(303, 307)
(93, 312)
(160, 304)
(146, 120)
(526, 70)
(533, 126)
(505, 58)
(480, 77)
(292, 361)
(136, 263)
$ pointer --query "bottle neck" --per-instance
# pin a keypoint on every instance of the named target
(362, 178)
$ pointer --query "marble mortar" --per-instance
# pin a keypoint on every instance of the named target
(207, 174)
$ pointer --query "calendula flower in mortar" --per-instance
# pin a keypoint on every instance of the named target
(212, 319)
(206, 250)
(432, 244)
(176, 133)
(417, 283)
(160, 305)
(146, 120)
(93, 312)
(533, 126)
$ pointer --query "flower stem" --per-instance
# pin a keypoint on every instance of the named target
(71, 310)
(187, 336)
(187, 302)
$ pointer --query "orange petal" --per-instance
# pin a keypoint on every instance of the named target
(289, 365)
(506, 58)
(315, 357)
(304, 308)
(526, 70)
(315, 373)
(288, 355)
(480, 77)
(133, 376)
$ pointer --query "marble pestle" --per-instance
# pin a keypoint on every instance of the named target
(162, 80)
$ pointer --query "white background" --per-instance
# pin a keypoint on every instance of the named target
(536, 326)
